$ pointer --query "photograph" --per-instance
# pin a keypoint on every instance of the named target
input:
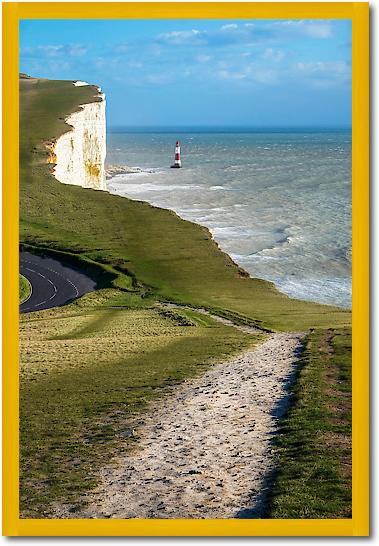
(185, 269)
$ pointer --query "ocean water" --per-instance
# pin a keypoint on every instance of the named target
(278, 202)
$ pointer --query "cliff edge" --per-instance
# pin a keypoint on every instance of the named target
(170, 259)
(79, 154)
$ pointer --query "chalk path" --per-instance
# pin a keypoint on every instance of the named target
(205, 451)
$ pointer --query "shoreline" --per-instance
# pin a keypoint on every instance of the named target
(91, 369)
(114, 172)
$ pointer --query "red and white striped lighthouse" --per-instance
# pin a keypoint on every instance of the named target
(177, 163)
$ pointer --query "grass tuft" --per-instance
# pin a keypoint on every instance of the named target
(24, 288)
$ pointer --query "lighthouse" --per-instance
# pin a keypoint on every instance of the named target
(177, 163)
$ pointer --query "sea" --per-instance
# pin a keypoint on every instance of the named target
(278, 201)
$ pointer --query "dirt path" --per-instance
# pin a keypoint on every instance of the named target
(217, 318)
(205, 452)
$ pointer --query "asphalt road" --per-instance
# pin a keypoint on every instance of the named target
(53, 283)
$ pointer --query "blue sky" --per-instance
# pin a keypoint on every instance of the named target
(201, 72)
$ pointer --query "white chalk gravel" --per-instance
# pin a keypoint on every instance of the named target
(205, 452)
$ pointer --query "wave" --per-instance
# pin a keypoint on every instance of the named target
(279, 206)
(126, 186)
(279, 245)
(114, 171)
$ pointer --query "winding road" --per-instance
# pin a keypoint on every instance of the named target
(52, 282)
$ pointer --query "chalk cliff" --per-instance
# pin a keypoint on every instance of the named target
(79, 154)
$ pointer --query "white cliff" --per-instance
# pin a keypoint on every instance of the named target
(79, 83)
(79, 154)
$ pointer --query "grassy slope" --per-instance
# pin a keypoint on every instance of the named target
(172, 258)
(68, 394)
(314, 450)
(86, 373)
(24, 288)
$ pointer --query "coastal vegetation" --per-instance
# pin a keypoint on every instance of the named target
(88, 374)
(24, 288)
(91, 366)
(314, 442)
(163, 256)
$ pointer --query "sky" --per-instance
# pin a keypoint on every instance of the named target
(253, 73)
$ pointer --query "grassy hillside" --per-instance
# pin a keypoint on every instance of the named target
(87, 375)
(151, 249)
(314, 447)
(90, 369)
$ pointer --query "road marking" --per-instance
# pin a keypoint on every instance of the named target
(56, 272)
(23, 261)
(48, 280)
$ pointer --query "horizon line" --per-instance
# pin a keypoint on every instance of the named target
(245, 127)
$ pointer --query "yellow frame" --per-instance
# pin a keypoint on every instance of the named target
(358, 12)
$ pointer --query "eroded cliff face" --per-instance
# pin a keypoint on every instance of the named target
(79, 154)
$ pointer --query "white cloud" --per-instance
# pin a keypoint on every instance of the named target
(121, 48)
(275, 55)
(55, 50)
(203, 58)
(76, 50)
(249, 33)
(232, 26)
(100, 62)
(318, 30)
(107, 64)
(268, 77)
(312, 29)
(158, 79)
(330, 67)
(135, 64)
(182, 37)
(229, 75)
(324, 74)
(51, 50)
(250, 73)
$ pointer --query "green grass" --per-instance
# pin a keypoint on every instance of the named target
(24, 288)
(87, 375)
(150, 249)
(89, 370)
(314, 445)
